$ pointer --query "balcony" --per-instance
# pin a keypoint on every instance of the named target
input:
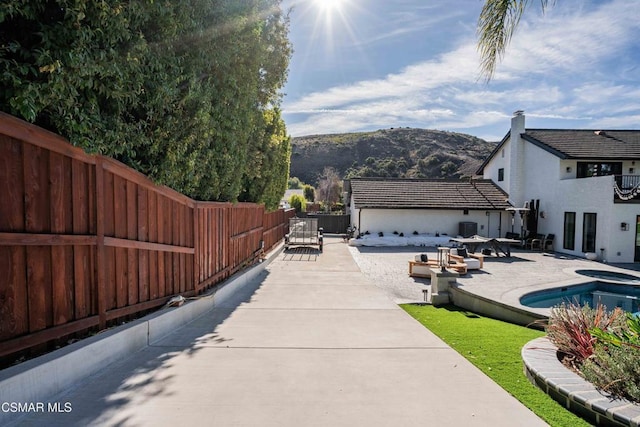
(626, 189)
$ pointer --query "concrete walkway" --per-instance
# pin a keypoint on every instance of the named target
(313, 343)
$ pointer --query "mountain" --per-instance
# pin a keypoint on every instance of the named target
(395, 152)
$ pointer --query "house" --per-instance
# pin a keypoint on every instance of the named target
(580, 185)
(427, 206)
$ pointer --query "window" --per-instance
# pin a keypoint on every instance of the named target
(586, 169)
(501, 174)
(569, 241)
(589, 232)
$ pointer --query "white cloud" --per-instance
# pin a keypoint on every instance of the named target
(558, 67)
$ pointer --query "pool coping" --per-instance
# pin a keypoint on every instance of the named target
(543, 369)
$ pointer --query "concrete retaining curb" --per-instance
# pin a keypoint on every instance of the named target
(39, 379)
(495, 309)
(543, 369)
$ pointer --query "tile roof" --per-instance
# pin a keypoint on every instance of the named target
(394, 193)
(587, 144)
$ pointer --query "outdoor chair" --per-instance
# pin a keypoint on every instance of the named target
(421, 266)
(514, 236)
(548, 242)
(460, 255)
(535, 241)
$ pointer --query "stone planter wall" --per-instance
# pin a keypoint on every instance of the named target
(543, 369)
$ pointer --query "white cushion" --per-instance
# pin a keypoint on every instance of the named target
(472, 263)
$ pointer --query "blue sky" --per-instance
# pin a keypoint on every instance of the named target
(373, 64)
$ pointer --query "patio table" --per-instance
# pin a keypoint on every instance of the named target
(498, 244)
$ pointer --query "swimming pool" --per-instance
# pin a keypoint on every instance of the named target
(610, 275)
(611, 295)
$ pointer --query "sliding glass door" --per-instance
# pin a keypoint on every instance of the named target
(569, 241)
(589, 232)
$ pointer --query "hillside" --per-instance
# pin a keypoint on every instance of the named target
(402, 152)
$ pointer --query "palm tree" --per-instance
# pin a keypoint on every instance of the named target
(497, 23)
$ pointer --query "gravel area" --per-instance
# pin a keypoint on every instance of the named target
(388, 268)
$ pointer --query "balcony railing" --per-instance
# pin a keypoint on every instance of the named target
(627, 187)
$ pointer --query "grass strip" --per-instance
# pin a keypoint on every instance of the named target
(494, 347)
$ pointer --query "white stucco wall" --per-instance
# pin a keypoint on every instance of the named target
(546, 178)
(499, 161)
(427, 221)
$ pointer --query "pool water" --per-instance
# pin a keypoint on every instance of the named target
(610, 295)
(610, 275)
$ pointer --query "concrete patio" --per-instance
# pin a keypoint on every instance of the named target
(312, 341)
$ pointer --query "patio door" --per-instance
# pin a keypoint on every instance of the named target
(636, 256)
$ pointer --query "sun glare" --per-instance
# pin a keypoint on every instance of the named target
(329, 5)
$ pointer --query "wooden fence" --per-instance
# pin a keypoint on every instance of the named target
(86, 241)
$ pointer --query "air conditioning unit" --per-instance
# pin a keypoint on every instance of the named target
(467, 229)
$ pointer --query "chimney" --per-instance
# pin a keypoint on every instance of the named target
(516, 159)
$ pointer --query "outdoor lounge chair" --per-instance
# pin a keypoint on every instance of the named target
(548, 242)
(460, 255)
(535, 241)
(422, 265)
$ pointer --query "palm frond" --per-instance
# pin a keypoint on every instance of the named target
(496, 25)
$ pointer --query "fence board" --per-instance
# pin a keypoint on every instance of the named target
(61, 223)
(82, 255)
(13, 293)
(11, 185)
(132, 235)
(101, 253)
(152, 222)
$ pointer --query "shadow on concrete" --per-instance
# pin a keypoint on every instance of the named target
(301, 253)
(109, 396)
(505, 260)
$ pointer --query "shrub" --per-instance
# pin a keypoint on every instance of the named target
(614, 370)
(569, 326)
(626, 337)
(298, 203)
(381, 234)
(615, 365)
(309, 193)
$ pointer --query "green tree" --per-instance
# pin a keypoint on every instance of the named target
(309, 193)
(294, 183)
(329, 187)
(496, 25)
(297, 202)
(265, 179)
(181, 91)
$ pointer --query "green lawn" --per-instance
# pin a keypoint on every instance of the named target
(494, 347)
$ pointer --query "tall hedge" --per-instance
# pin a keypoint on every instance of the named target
(183, 91)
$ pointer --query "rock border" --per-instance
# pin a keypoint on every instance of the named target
(543, 369)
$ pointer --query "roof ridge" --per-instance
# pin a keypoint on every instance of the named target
(381, 178)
